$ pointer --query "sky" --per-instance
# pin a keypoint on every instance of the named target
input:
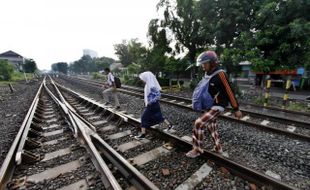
(51, 31)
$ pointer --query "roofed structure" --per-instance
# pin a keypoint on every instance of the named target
(13, 58)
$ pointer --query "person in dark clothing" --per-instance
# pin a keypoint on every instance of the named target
(222, 94)
(152, 113)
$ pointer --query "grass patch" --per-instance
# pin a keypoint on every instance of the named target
(99, 76)
(18, 76)
(259, 101)
(297, 106)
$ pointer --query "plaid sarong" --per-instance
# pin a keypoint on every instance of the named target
(208, 120)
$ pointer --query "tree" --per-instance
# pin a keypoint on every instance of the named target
(103, 62)
(133, 68)
(6, 70)
(280, 38)
(224, 21)
(130, 52)
(182, 19)
(155, 59)
(83, 65)
(122, 51)
(30, 66)
(176, 66)
(61, 67)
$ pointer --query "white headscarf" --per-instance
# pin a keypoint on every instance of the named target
(150, 82)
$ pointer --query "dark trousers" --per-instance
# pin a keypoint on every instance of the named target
(151, 115)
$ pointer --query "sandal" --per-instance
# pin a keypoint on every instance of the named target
(217, 151)
(193, 154)
(170, 126)
(140, 137)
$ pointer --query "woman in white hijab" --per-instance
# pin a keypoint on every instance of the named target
(152, 113)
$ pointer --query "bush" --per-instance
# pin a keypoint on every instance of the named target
(132, 81)
(174, 82)
(98, 76)
(163, 81)
(6, 70)
(259, 101)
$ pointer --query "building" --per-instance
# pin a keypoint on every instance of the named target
(90, 52)
(246, 69)
(299, 76)
(14, 59)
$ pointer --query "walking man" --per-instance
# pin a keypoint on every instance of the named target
(220, 93)
(110, 89)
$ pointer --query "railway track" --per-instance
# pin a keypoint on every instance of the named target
(160, 148)
(56, 148)
(277, 155)
(290, 123)
(59, 148)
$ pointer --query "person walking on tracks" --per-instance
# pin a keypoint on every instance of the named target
(213, 93)
(152, 113)
(110, 89)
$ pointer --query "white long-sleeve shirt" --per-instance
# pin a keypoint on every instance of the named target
(110, 79)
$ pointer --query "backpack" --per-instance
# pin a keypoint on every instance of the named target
(201, 99)
(117, 82)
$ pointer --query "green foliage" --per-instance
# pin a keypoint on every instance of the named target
(130, 52)
(87, 64)
(176, 66)
(270, 34)
(122, 51)
(154, 61)
(163, 81)
(174, 82)
(259, 101)
(133, 81)
(18, 76)
(155, 57)
(280, 36)
(60, 67)
(133, 68)
(230, 59)
(296, 106)
(8, 73)
(6, 70)
(103, 62)
(182, 19)
(99, 76)
(83, 65)
(30, 66)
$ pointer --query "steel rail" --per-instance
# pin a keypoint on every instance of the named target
(8, 165)
(235, 168)
(249, 123)
(129, 172)
(133, 175)
(84, 132)
(68, 106)
(138, 180)
(277, 109)
(253, 124)
(301, 123)
(189, 101)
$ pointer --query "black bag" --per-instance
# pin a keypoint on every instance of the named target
(117, 82)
